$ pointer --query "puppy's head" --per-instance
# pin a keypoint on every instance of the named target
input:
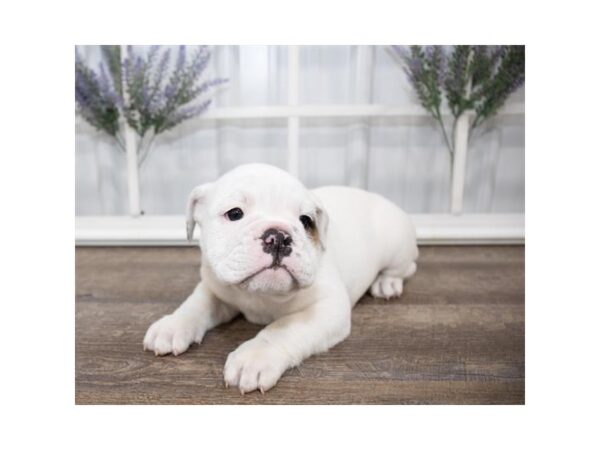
(261, 229)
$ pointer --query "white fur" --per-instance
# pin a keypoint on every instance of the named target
(364, 242)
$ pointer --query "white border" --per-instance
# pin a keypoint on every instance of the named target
(562, 227)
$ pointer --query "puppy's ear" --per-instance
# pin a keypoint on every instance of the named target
(196, 201)
(322, 221)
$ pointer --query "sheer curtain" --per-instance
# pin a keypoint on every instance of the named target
(402, 158)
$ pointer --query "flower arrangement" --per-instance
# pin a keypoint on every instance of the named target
(143, 91)
(477, 78)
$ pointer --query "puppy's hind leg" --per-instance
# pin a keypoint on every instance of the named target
(390, 281)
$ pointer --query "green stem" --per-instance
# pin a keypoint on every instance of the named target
(148, 148)
(476, 122)
(120, 143)
(438, 117)
(454, 129)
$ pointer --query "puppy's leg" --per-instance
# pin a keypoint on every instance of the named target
(199, 313)
(260, 362)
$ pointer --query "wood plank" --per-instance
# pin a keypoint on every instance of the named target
(456, 336)
(296, 391)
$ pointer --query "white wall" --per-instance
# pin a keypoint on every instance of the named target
(402, 158)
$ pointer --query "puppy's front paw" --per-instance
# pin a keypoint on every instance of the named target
(171, 334)
(255, 364)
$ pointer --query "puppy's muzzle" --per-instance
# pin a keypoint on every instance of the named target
(277, 243)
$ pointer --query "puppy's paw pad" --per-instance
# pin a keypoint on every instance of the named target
(171, 334)
(386, 287)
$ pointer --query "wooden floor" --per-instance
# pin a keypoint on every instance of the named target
(455, 337)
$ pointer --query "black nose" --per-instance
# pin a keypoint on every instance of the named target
(277, 243)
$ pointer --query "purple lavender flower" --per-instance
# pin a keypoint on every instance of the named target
(187, 112)
(424, 67)
(162, 68)
(95, 100)
(177, 78)
(413, 65)
(206, 86)
(458, 70)
(158, 98)
(201, 60)
(180, 59)
(152, 53)
(435, 58)
(476, 78)
(107, 87)
(170, 91)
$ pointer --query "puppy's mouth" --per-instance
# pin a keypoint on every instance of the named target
(274, 266)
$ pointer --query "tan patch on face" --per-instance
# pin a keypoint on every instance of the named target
(313, 234)
(312, 230)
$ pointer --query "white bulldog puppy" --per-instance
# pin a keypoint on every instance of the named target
(292, 259)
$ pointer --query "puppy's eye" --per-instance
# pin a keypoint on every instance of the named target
(234, 214)
(307, 222)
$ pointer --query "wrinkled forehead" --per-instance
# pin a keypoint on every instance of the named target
(272, 194)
